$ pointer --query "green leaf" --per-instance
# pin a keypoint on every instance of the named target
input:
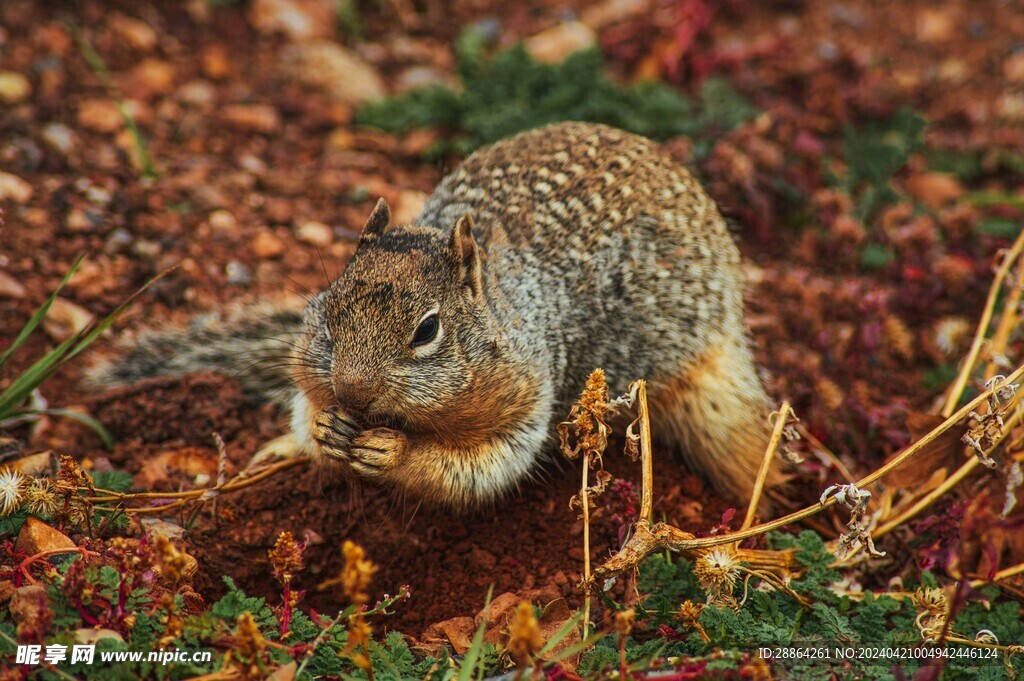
(113, 481)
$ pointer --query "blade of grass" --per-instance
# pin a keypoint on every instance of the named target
(37, 318)
(578, 647)
(85, 419)
(469, 660)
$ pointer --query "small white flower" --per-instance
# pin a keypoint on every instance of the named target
(11, 482)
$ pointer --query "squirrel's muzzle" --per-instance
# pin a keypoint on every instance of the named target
(354, 394)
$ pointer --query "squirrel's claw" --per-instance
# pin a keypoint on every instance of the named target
(376, 451)
(334, 433)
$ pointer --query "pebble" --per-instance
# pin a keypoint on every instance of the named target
(14, 87)
(78, 221)
(408, 206)
(136, 33)
(223, 222)
(215, 62)
(555, 44)
(420, 76)
(100, 115)
(37, 537)
(329, 68)
(64, 319)
(59, 137)
(10, 287)
(200, 94)
(253, 117)
(117, 241)
(1013, 67)
(296, 19)
(150, 78)
(13, 188)
(315, 234)
(934, 189)
(267, 245)
(238, 274)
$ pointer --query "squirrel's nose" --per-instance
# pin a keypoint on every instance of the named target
(353, 394)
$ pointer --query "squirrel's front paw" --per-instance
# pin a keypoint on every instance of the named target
(374, 452)
(334, 432)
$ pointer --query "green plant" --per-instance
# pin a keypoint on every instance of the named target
(874, 153)
(16, 398)
(510, 92)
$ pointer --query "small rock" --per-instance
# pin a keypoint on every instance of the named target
(64, 319)
(14, 87)
(150, 78)
(216, 63)
(36, 536)
(100, 115)
(29, 603)
(315, 234)
(253, 117)
(13, 188)
(10, 287)
(7, 590)
(94, 636)
(223, 222)
(78, 221)
(340, 139)
(33, 464)
(458, 631)
(198, 93)
(59, 137)
(1013, 67)
(408, 206)
(557, 43)
(297, 19)
(285, 672)
(117, 241)
(136, 33)
(163, 528)
(420, 76)
(238, 274)
(267, 245)
(498, 609)
(330, 68)
(935, 25)
(934, 189)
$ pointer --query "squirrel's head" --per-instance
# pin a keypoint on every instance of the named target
(403, 332)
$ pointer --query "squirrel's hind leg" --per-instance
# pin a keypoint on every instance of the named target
(715, 411)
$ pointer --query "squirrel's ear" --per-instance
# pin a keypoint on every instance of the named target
(378, 221)
(467, 257)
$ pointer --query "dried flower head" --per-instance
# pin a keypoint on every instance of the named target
(932, 611)
(41, 498)
(248, 641)
(11, 483)
(717, 571)
(173, 563)
(355, 576)
(624, 620)
(587, 420)
(524, 637)
(689, 615)
(71, 476)
(898, 339)
(951, 335)
(286, 558)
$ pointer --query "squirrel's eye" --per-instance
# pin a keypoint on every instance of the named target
(426, 331)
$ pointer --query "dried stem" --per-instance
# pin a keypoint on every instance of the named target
(586, 543)
(979, 335)
(646, 458)
(244, 479)
(661, 536)
(766, 463)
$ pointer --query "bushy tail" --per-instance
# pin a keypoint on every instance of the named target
(253, 344)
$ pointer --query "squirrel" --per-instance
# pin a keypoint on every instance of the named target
(444, 355)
